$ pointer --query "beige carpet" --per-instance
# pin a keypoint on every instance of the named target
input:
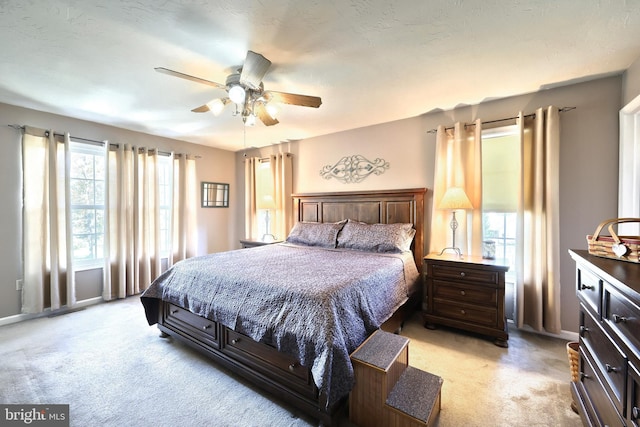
(113, 370)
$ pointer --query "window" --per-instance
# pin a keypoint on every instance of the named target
(87, 182)
(500, 180)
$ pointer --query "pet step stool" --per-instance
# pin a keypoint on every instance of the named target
(387, 391)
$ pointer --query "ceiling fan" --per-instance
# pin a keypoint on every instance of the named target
(245, 90)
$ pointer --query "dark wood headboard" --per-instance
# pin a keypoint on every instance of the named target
(372, 207)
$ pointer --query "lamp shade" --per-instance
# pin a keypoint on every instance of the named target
(455, 198)
(266, 202)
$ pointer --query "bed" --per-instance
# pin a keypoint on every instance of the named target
(286, 316)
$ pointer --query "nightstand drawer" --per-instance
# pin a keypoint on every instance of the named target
(466, 313)
(471, 294)
(447, 272)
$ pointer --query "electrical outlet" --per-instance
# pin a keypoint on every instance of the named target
(19, 285)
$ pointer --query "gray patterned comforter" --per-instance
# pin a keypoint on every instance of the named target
(312, 303)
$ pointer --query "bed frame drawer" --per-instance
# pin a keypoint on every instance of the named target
(191, 324)
(269, 361)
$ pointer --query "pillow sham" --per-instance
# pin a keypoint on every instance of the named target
(323, 234)
(389, 238)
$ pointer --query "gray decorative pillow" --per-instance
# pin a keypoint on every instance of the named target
(316, 233)
(391, 238)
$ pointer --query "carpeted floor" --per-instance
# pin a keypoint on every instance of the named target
(114, 370)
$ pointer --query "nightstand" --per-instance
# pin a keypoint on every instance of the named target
(252, 243)
(465, 293)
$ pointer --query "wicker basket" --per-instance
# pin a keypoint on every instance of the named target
(625, 248)
(574, 360)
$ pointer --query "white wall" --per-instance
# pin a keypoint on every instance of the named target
(214, 233)
(588, 163)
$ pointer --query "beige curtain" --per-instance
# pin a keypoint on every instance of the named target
(48, 279)
(538, 246)
(250, 190)
(282, 172)
(183, 227)
(458, 164)
(133, 222)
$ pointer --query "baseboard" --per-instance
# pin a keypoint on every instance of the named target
(48, 312)
(563, 335)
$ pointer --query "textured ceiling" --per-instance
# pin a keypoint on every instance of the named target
(371, 61)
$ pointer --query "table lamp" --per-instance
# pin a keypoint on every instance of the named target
(454, 198)
(267, 203)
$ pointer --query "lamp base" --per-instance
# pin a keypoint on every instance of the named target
(456, 250)
(268, 238)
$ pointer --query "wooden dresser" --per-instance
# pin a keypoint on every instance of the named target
(465, 293)
(608, 390)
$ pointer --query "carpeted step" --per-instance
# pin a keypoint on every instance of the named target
(416, 395)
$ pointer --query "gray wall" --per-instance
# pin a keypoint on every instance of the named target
(214, 233)
(631, 83)
(588, 159)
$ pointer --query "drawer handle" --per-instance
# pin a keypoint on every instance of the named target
(235, 341)
(635, 413)
(463, 312)
(292, 367)
(611, 368)
(583, 330)
(463, 293)
(462, 274)
(174, 311)
(205, 327)
(619, 319)
(584, 376)
(591, 288)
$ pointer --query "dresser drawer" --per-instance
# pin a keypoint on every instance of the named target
(589, 289)
(466, 293)
(451, 272)
(611, 363)
(633, 396)
(191, 324)
(269, 361)
(607, 413)
(466, 313)
(622, 316)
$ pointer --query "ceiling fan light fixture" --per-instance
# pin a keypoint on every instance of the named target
(216, 106)
(272, 110)
(237, 94)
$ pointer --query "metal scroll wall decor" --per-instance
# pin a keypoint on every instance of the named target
(354, 169)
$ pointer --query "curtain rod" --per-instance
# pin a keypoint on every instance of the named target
(561, 110)
(94, 141)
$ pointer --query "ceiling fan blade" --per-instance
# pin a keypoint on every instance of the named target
(215, 106)
(264, 116)
(293, 99)
(188, 77)
(254, 68)
(201, 109)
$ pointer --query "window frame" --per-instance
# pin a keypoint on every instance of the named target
(96, 150)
